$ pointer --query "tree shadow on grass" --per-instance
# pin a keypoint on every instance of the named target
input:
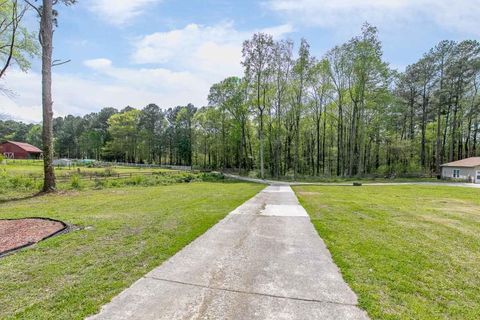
(23, 197)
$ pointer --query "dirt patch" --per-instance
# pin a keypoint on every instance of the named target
(19, 233)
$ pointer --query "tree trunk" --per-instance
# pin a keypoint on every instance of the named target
(438, 148)
(423, 129)
(454, 131)
(46, 30)
(324, 137)
(262, 173)
(317, 127)
(340, 140)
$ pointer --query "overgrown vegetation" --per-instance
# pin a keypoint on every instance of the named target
(23, 178)
(409, 252)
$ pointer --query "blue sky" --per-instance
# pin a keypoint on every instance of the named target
(133, 52)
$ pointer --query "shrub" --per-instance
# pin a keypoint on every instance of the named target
(76, 182)
(212, 176)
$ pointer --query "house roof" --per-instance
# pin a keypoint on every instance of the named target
(25, 146)
(468, 162)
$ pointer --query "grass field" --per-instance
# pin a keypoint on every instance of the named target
(409, 252)
(124, 233)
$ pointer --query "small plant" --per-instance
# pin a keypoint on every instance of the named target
(76, 182)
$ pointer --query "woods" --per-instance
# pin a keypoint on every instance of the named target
(346, 113)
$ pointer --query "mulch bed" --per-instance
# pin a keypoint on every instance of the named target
(19, 233)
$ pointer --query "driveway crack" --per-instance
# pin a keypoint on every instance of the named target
(251, 293)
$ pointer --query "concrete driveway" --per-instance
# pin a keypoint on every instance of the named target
(263, 261)
(365, 183)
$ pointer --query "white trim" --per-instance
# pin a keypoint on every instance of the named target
(9, 155)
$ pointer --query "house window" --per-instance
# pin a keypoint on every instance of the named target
(456, 173)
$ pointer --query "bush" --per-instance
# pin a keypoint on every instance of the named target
(135, 180)
(212, 176)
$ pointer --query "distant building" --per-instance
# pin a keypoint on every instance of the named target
(62, 162)
(467, 169)
(19, 150)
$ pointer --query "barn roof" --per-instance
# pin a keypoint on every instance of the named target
(468, 162)
(25, 146)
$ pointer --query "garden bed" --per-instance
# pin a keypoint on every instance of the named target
(20, 233)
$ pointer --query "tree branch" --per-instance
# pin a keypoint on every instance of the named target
(34, 7)
(59, 62)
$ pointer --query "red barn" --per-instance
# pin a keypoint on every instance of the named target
(19, 150)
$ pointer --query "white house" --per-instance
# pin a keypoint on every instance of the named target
(467, 169)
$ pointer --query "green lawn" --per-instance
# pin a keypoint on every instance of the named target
(409, 252)
(125, 232)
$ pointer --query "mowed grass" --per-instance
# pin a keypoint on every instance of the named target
(409, 252)
(125, 232)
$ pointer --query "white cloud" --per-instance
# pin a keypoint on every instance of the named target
(458, 15)
(215, 50)
(100, 63)
(109, 87)
(120, 12)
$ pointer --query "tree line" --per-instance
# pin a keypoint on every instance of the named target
(346, 113)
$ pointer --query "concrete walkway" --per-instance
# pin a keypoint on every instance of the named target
(365, 183)
(263, 261)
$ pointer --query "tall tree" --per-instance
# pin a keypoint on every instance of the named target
(48, 17)
(321, 92)
(301, 71)
(257, 55)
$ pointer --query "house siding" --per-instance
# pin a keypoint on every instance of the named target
(468, 174)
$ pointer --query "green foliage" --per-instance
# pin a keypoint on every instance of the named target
(123, 128)
(76, 182)
(343, 114)
(11, 184)
(13, 31)
(34, 136)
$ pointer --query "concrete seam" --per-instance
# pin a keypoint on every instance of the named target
(251, 293)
